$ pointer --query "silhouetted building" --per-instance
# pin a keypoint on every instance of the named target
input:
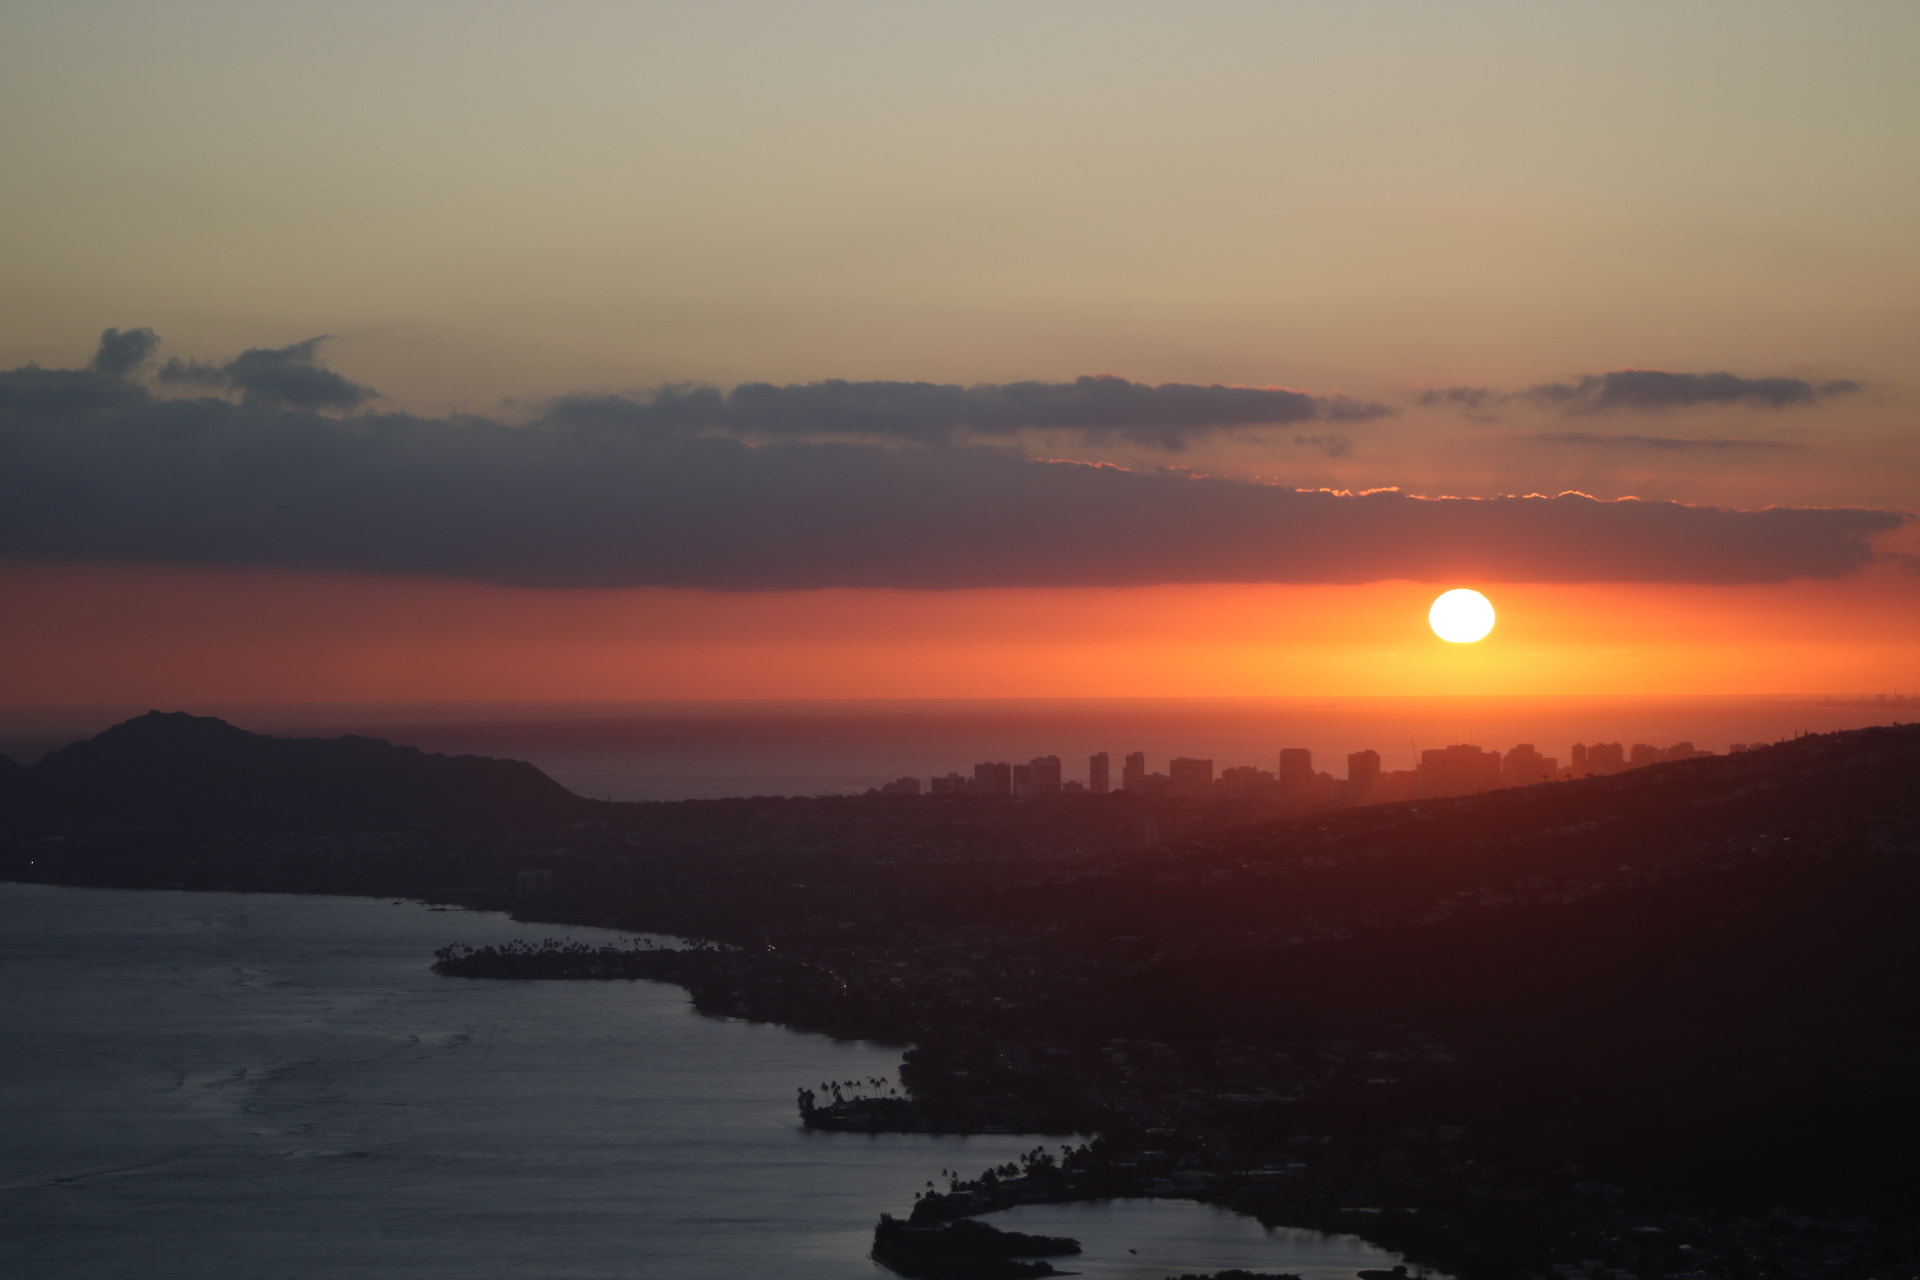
(951, 785)
(993, 779)
(1599, 759)
(1524, 766)
(1046, 775)
(1296, 774)
(1644, 754)
(1459, 770)
(1191, 779)
(901, 787)
(1097, 773)
(1363, 775)
(1243, 781)
(1133, 772)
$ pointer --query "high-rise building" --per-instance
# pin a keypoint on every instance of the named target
(1242, 781)
(1363, 774)
(1604, 758)
(1191, 779)
(1459, 770)
(1097, 773)
(1046, 775)
(993, 779)
(1523, 766)
(1133, 772)
(1296, 773)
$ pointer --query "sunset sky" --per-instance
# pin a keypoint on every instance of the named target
(447, 352)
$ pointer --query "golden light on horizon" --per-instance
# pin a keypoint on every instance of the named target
(1461, 616)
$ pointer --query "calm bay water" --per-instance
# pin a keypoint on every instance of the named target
(225, 1085)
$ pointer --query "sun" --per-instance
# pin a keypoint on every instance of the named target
(1461, 616)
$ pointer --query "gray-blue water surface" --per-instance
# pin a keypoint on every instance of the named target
(225, 1085)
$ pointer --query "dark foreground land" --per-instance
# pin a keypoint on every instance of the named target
(1663, 1023)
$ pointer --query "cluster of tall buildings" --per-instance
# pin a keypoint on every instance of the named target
(1039, 776)
(1602, 758)
(1457, 770)
(1185, 778)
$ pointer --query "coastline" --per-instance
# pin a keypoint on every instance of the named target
(1251, 1016)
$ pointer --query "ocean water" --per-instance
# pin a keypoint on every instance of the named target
(214, 1086)
(673, 751)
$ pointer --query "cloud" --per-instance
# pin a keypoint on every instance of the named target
(99, 468)
(1100, 409)
(1338, 408)
(122, 352)
(1462, 398)
(1656, 390)
(1333, 445)
(1672, 444)
(193, 373)
(287, 376)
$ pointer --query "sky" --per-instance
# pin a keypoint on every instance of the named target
(490, 352)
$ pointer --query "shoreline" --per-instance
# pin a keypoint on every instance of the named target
(1093, 1172)
(1252, 1017)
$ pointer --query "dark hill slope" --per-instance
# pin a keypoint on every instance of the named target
(1704, 974)
(170, 767)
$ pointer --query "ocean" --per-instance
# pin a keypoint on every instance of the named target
(675, 751)
(228, 1086)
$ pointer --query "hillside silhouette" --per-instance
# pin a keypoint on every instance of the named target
(171, 767)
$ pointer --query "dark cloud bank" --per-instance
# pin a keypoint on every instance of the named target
(620, 492)
(280, 377)
(1666, 444)
(1656, 390)
(1645, 391)
(1100, 409)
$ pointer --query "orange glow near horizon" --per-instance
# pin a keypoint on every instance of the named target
(161, 635)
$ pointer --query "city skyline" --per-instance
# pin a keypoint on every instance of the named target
(1457, 769)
